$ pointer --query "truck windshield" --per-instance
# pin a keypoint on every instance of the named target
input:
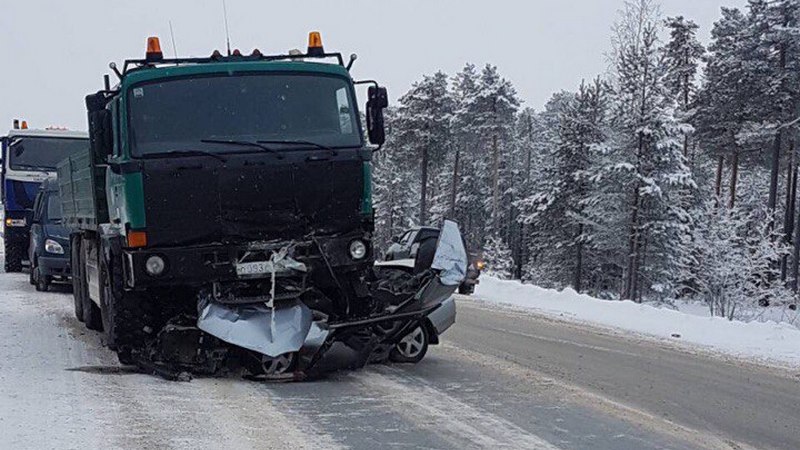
(175, 115)
(42, 153)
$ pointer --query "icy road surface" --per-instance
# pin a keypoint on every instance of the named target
(501, 380)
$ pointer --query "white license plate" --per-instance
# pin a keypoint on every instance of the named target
(254, 268)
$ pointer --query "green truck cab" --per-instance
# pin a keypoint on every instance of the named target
(224, 213)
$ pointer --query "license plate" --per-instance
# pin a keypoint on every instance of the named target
(254, 268)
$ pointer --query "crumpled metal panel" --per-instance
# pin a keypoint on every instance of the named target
(257, 327)
(451, 256)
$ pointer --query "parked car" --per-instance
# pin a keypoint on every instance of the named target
(423, 239)
(49, 239)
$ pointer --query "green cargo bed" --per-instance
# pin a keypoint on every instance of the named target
(80, 184)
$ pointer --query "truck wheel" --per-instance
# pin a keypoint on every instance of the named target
(77, 277)
(412, 348)
(125, 314)
(13, 262)
(91, 312)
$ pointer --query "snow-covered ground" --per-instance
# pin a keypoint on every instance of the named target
(765, 341)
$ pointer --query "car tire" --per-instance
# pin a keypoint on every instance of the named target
(42, 281)
(77, 277)
(413, 347)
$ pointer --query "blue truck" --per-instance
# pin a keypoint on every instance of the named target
(28, 158)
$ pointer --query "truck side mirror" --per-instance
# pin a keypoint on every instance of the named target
(377, 101)
(101, 138)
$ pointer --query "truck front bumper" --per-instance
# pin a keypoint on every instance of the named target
(207, 264)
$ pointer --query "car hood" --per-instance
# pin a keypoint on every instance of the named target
(56, 232)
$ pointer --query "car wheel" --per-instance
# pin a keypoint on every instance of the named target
(42, 281)
(413, 347)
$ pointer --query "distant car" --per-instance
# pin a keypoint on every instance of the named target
(49, 240)
(408, 245)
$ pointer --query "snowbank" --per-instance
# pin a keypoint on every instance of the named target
(777, 343)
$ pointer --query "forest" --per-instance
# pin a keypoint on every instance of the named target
(671, 175)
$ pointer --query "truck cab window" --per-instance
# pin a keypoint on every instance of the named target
(178, 114)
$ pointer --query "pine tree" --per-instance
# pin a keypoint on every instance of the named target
(647, 138)
(423, 123)
(682, 55)
(556, 209)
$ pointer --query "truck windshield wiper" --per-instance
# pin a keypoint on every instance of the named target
(243, 144)
(308, 143)
(184, 153)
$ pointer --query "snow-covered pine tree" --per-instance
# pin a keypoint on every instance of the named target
(722, 103)
(468, 190)
(423, 125)
(498, 258)
(395, 187)
(556, 210)
(648, 138)
(682, 56)
(493, 110)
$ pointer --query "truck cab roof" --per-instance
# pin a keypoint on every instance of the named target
(146, 73)
(48, 133)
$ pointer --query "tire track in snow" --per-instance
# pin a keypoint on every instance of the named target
(463, 425)
(59, 388)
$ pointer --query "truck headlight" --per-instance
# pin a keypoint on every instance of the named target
(51, 246)
(155, 265)
(358, 249)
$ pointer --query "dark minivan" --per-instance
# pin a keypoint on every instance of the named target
(49, 241)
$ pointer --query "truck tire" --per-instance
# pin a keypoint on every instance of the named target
(13, 261)
(91, 312)
(77, 276)
(126, 315)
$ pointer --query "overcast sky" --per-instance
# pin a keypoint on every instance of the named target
(55, 52)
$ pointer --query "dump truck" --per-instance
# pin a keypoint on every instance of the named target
(222, 219)
(29, 156)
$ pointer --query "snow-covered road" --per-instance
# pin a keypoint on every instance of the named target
(59, 388)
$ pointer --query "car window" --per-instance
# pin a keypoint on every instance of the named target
(425, 234)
